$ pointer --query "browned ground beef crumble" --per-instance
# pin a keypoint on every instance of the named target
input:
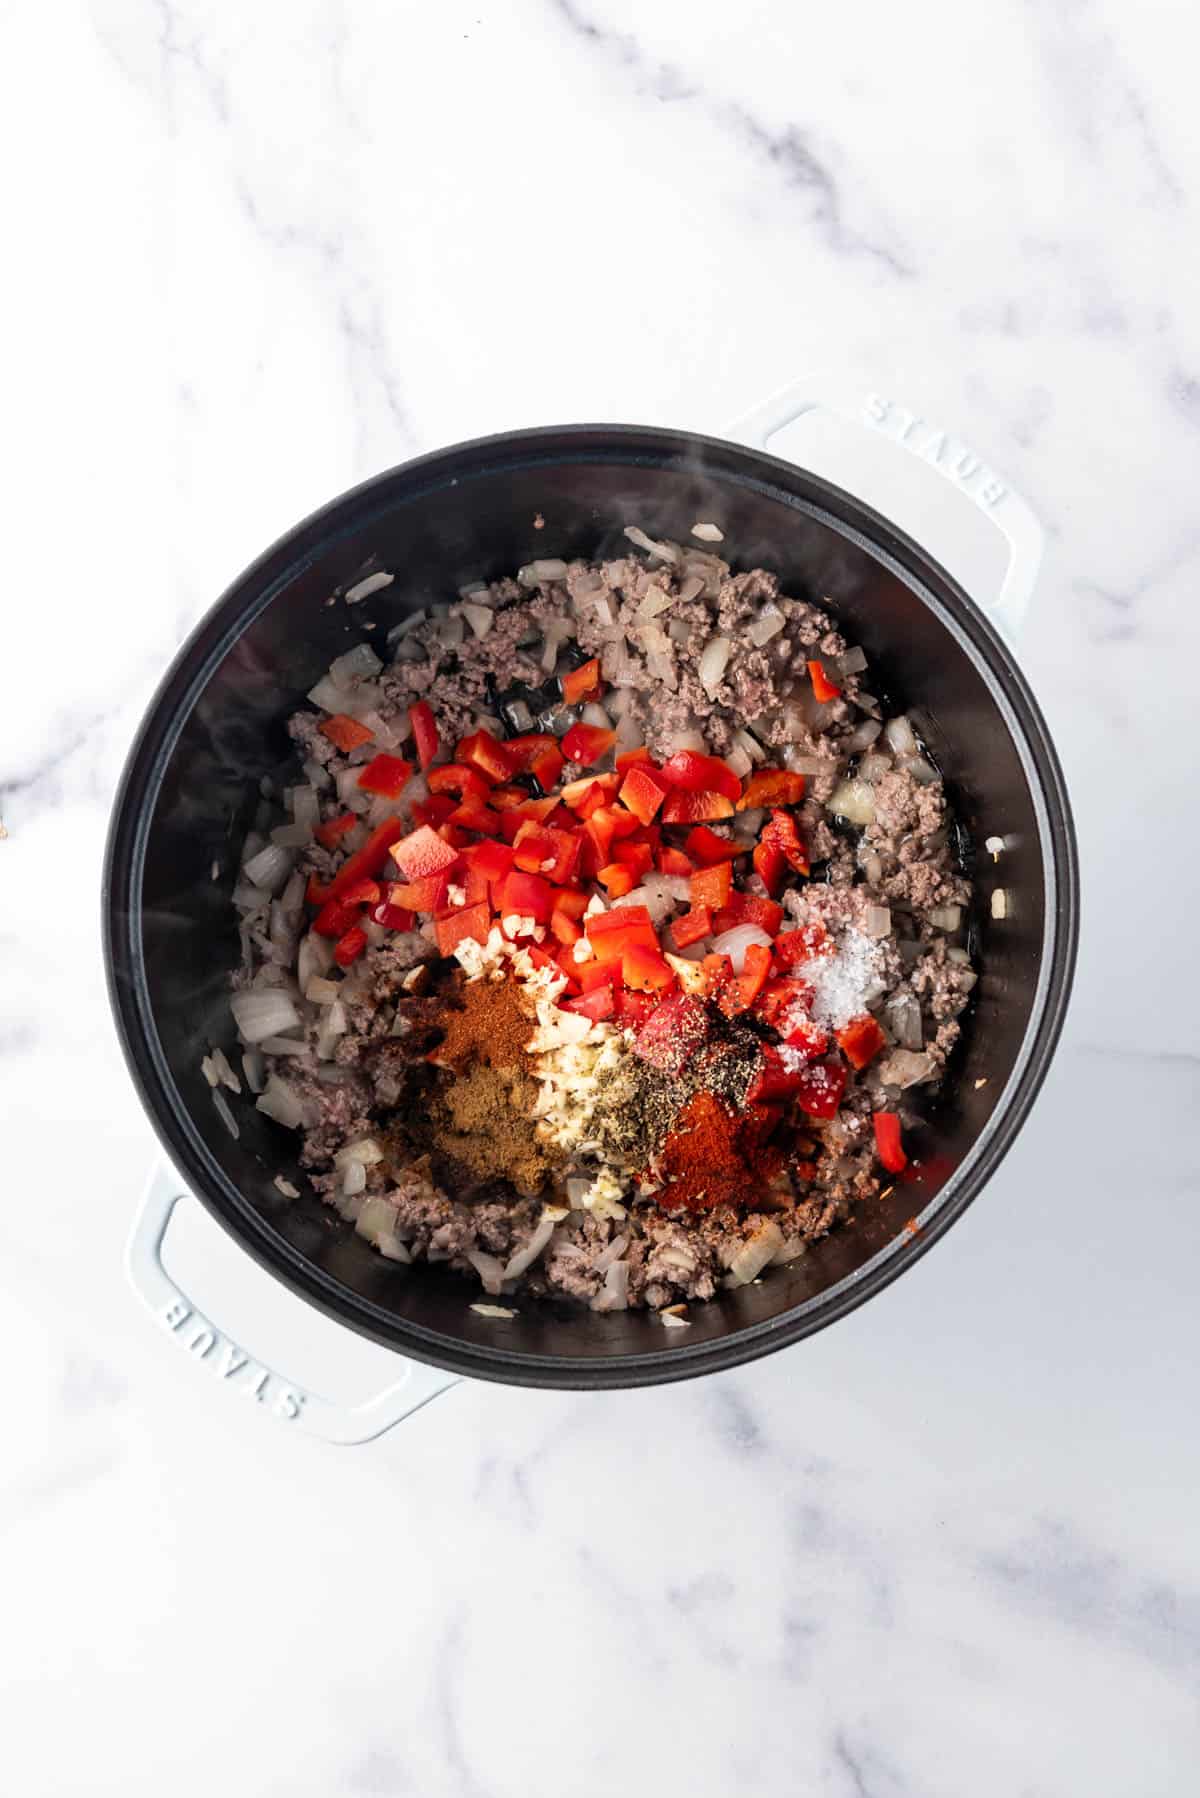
(373, 1078)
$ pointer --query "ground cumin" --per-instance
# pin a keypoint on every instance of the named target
(488, 1022)
(484, 1115)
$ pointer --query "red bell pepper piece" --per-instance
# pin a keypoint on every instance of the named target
(526, 895)
(620, 822)
(571, 901)
(473, 921)
(564, 929)
(820, 1090)
(471, 815)
(705, 847)
(783, 1002)
(682, 807)
(888, 1143)
(611, 933)
(861, 1040)
(599, 1003)
(586, 743)
(488, 755)
(719, 975)
(348, 948)
(434, 811)
(755, 968)
(367, 861)
(674, 861)
(582, 683)
(770, 865)
(423, 853)
(771, 786)
(639, 857)
(386, 775)
(344, 732)
(425, 731)
(362, 892)
(643, 791)
(335, 918)
(823, 688)
(748, 908)
(605, 923)
(701, 774)
(493, 860)
(630, 758)
(774, 1080)
(633, 1008)
(426, 894)
(644, 969)
(711, 887)
(392, 917)
(590, 974)
(458, 778)
(503, 799)
(332, 832)
(540, 849)
(617, 880)
(582, 793)
(806, 1038)
(692, 927)
(538, 755)
(676, 1030)
(780, 831)
(805, 944)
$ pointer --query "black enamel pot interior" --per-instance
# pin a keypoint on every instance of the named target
(217, 724)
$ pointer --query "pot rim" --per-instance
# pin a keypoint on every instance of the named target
(256, 587)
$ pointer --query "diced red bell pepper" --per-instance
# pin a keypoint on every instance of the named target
(504, 799)
(349, 947)
(367, 861)
(361, 892)
(591, 790)
(692, 927)
(386, 775)
(633, 1008)
(425, 731)
(564, 929)
(674, 861)
(529, 811)
(682, 807)
(540, 849)
(434, 811)
(392, 917)
(599, 1003)
(344, 732)
(489, 756)
(611, 933)
(639, 857)
(582, 683)
(617, 880)
(807, 1038)
(475, 885)
(821, 1087)
(706, 848)
(335, 918)
(471, 815)
(453, 833)
(774, 1079)
(643, 791)
(783, 1002)
(676, 1030)
(755, 968)
(423, 852)
(823, 688)
(861, 1040)
(425, 894)
(493, 860)
(795, 946)
(586, 743)
(698, 773)
(458, 778)
(711, 887)
(595, 973)
(780, 831)
(571, 901)
(622, 822)
(629, 758)
(539, 755)
(771, 786)
(748, 908)
(888, 1142)
(606, 923)
(332, 832)
(718, 973)
(526, 895)
(770, 865)
(473, 921)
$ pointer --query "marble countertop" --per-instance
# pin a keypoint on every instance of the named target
(268, 250)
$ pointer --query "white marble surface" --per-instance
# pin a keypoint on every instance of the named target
(949, 1546)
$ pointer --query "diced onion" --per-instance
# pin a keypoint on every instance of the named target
(999, 903)
(874, 767)
(525, 1258)
(945, 917)
(923, 772)
(262, 1012)
(734, 943)
(862, 736)
(713, 663)
(877, 921)
(901, 738)
(754, 1255)
(364, 1149)
(708, 533)
(769, 622)
(853, 800)
(270, 867)
(853, 661)
(254, 1070)
(328, 695)
(813, 765)
(614, 1294)
(905, 1068)
(291, 836)
(666, 552)
(359, 663)
(751, 745)
(904, 1017)
(480, 618)
(489, 1269)
(283, 1045)
(281, 1102)
(596, 716)
(370, 583)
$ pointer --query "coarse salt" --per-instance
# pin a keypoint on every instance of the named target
(843, 984)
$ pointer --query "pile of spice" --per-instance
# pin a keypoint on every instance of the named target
(716, 1155)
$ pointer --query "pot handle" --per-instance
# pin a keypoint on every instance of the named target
(765, 426)
(254, 1379)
